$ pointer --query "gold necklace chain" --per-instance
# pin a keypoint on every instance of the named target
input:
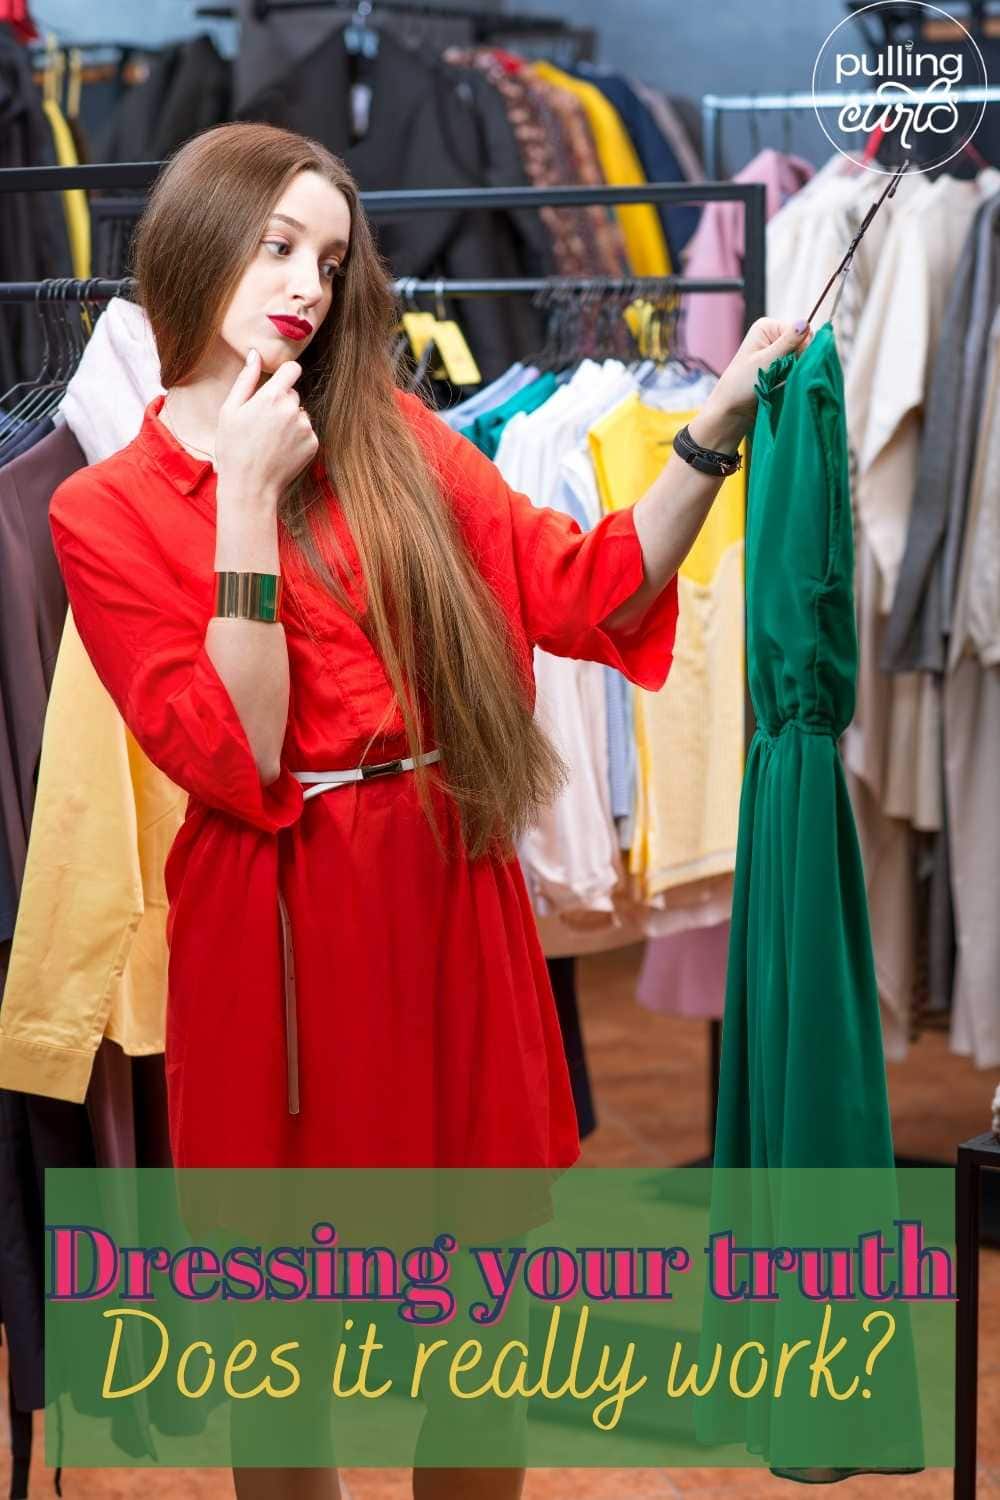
(201, 452)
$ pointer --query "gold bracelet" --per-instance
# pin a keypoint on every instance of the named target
(248, 596)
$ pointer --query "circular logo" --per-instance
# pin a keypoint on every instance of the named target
(928, 101)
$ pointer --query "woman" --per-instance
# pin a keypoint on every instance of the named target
(355, 975)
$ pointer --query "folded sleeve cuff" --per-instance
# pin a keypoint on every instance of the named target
(644, 651)
(210, 756)
(42, 1068)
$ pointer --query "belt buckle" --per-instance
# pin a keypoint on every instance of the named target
(386, 768)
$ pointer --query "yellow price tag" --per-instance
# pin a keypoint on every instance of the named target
(419, 328)
(459, 364)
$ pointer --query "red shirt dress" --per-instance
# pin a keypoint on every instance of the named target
(427, 1032)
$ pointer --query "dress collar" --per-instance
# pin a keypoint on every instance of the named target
(185, 472)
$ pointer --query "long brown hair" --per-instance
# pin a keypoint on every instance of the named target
(438, 628)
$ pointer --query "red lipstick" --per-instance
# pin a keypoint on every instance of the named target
(292, 328)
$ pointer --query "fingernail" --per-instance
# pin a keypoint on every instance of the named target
(251, 355)
(801, 326)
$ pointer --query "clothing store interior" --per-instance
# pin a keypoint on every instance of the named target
(562, 338)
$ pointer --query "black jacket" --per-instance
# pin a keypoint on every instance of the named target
(429, 128)
(188, 90)
(33, 240)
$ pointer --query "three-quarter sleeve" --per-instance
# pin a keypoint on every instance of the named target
(568, 581)
(571, 581)
(143, 626)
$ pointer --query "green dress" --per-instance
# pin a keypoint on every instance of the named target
(803, 1074)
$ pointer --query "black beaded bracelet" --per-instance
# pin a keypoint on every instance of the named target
(705, 460)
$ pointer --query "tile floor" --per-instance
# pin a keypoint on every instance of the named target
(650, 1077)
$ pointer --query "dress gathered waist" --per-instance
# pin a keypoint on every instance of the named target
(315, 783)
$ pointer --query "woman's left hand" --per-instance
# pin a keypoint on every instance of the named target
(729, 411)
(766, 341)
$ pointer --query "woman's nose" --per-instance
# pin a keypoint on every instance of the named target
(305, 284)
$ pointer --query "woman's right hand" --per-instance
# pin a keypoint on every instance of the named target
(264, 438)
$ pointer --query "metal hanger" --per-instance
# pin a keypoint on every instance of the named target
(68, 313)
(360, 36)
(845, 264)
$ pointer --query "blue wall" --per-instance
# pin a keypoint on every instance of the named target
(138, 23)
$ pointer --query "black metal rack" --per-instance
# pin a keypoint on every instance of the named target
(489, 20)
(485, 24)
(975, 1158)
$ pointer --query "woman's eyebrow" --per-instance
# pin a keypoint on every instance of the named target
(287, 219)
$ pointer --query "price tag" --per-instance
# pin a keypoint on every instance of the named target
(459, 364)
(419, 328)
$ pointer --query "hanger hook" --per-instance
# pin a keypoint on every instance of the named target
(440, 311)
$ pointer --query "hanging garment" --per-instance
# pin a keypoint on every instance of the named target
(188, 90)
(478, 1080)
(502, 166)
(423, 134)
(90, 954)
(33, 243)
(979, 589)
(889, 325)
(577, 161)
(487, 429)
(75, 205)
(689, 736)
(921, 609)
(38, 1132)
(515, 379)
(655, 153)
(118, 375)
(892, 357)
(971, 727)
(668, 117)
(689, 741)
(557, 150)
(271, 46)
(802, 1077)
(807, 237)
(714, 323)
(811, 231)
(893, 746)
(571, 857)
(685, 975)
(640, 223)
(34, 610)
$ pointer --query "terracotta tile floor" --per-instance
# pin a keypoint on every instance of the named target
(650, 1077)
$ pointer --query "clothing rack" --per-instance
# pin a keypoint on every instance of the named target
(714, 106)
(751, 285)
(489, 20)
(102, 289)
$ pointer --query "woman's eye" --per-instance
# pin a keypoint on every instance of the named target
(279, 247)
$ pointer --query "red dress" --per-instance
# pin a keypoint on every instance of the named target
(427, 1029)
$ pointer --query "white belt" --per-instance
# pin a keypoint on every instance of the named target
(326, 779)
(318, 782)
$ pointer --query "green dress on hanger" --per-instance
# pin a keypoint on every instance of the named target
(803, 1074)
(802, 1080)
